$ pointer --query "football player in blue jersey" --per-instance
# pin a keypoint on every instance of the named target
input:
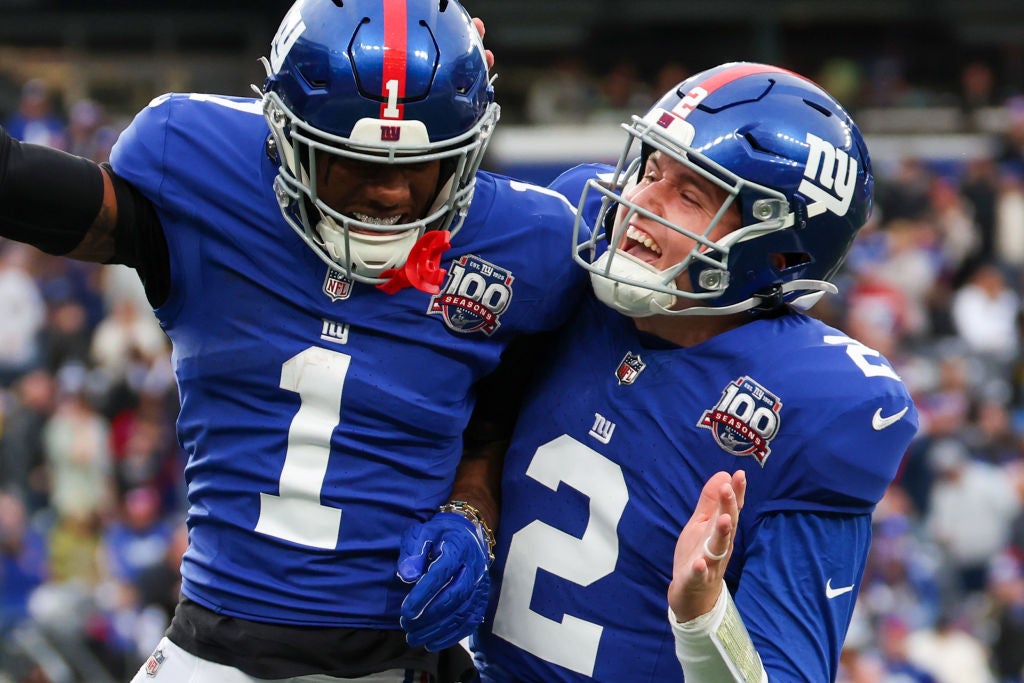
(693, 385)
(339, 283)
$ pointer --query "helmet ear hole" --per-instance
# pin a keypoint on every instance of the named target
(791, 259)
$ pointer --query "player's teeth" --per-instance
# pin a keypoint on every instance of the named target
(649, 243)
(643, 238)
(376, 220)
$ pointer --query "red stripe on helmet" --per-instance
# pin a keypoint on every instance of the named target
(396, 46)
(701, 90)
(741, 71)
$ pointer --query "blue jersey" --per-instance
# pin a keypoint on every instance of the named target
(612, 450)
(321, 417)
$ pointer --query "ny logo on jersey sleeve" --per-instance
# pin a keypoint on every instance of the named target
(745, 419)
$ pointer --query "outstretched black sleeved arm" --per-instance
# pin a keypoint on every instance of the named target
(48, 198)
(51, 200)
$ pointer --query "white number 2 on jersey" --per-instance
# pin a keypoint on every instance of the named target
(571, 642)
(859, 354)
(318, 376)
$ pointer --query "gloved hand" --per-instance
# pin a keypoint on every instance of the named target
(447, 558)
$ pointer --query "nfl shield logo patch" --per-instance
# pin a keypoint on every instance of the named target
(336, 285)
(630, 368)
(154, 662)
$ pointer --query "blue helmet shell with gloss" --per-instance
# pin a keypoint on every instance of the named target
(332, 62)
(376, 81)
(789, 157)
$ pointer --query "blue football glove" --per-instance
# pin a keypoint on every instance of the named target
(447, 558)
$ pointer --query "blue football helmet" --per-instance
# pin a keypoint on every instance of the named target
(378, 81)
(786, 153)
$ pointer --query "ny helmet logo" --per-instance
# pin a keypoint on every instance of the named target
(830, 178)
(292, 28)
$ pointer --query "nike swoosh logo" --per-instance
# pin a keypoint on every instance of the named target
(880, 423)
(831, 592)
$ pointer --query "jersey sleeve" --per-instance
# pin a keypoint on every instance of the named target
(849, 431)
(534, 226)
(849, 459)
(862, 449)
(571, 184)
(797, 590)
(138, 154)
(567, 279)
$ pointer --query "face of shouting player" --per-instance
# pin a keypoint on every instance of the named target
(681, 196)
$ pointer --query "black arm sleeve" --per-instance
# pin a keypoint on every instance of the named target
(48, 198)
(139, 239)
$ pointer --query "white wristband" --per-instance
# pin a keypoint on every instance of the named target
(716, 647)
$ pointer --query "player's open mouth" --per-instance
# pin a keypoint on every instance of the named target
(641, 245)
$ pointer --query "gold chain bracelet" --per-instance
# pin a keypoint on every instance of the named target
(461, 507)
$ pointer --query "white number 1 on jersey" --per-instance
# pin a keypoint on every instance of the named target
(296, 514)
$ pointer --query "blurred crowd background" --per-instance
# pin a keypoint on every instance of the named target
(91, 476)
